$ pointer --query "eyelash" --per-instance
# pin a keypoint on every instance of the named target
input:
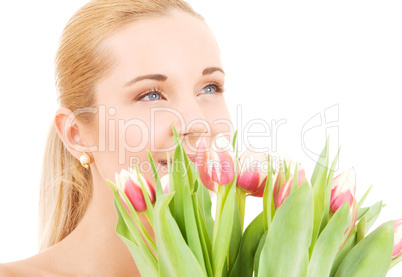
(218, 87)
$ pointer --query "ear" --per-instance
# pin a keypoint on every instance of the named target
(68, 128)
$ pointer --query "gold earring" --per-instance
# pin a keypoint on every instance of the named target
(85, 160)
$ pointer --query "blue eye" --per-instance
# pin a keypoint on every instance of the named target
(152, 96)
(156, 93)
(213, 89)
(209, 89)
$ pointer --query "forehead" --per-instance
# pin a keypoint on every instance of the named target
(177, 41)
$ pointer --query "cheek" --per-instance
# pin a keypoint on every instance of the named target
(133, 135)
(132, 141)
(218, 116)
(161, 130)
(122, 140)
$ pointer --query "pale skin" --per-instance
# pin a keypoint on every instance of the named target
(180, 47)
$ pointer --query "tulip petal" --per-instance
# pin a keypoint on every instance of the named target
(301, 177)
(251, 174)
(345, 181)
(134, 193)
(283, 193)
(340, 199)
(260, 191)
(201, 162)
(249, 180)
(226, 169)
(165, 184)
(397, 238)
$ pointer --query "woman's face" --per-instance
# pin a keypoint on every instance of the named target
(167, 71)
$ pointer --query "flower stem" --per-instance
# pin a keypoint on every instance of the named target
(221, 198)
(146, 213)
(241, 200)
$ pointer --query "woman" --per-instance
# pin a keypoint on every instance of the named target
(127, 71)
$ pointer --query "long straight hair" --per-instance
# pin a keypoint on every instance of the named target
(66, 187)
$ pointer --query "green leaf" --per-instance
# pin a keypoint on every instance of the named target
(175, 257)
(234, 139)
(285, 252)
(257, 256)
(204, 237)
(319, 183)
(131, 236)
(180, 181)
(220, 245)
(131, 220)
(159, 189)
(268, 201)
(364, 196)
(171, 182)
(223, 192)
(328, 243)
(193, 238)
(236, 237)
(362, 212)
(370, 257)
(205, 203)
(327, 200)
(144, 259)
(372, 214)
(361, 229)
(320, 163)
(350, 243)
(150, 207)
(243, 266)
(191, 171)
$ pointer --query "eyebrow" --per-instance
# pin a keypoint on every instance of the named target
(160, 77)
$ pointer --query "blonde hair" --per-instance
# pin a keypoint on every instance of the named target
(66, 187)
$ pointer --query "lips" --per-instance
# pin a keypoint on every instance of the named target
(191, 156)
(164, 163)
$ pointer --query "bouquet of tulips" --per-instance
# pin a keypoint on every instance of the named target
(307, 227)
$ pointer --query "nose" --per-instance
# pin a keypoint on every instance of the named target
(191, 123)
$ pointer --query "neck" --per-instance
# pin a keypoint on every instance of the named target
(94, 243)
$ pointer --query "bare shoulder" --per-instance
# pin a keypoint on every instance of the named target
(19, 269)
(16, 269)
(6, 271)
(27, 267)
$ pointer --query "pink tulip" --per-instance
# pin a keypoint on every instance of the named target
(281, 192)
(165, 183)
(353, 212)
(251, 176)
(344, 189)
(216, 165)
(279, 180)
(397, 239)
(131, 186)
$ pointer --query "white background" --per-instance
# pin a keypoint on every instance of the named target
(290, 61)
